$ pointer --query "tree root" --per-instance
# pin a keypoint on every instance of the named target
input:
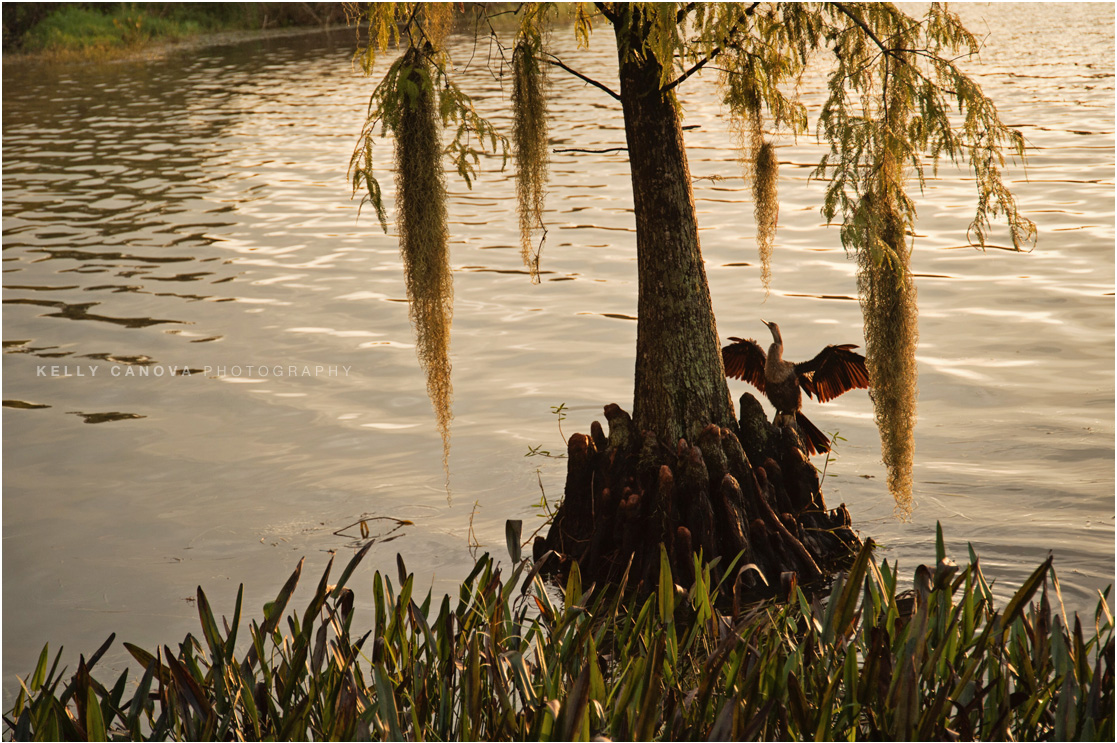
(751, 497)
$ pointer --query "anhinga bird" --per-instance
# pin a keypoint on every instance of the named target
(836, 369)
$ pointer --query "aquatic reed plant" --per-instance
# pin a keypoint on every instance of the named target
(505, 660)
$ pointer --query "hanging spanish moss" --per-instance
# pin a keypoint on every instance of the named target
(529, 137)
(888, 304)
(423, 234)
(887, 293)
(766, 207)
(760, 167)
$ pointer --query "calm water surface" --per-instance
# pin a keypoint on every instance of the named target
(192, 212)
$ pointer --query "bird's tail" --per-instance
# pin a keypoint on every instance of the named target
(816, 441)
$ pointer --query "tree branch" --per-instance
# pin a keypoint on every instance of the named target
(848, 12)
(606, 150)
(594, 152)
(610, 15)
(702, 63)
(713, 53)
(558, 63)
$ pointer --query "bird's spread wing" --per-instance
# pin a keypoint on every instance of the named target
(744, 359)
(836, 369)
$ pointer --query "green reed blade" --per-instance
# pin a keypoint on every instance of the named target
(94, 722)
(209, 627)
(1016, 605)
(666, 588)
(40, 674)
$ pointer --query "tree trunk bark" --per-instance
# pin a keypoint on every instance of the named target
(680, 382)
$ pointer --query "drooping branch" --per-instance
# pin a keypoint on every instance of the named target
(559, 63)
(848, 12)
(697, 66)
(713, 52)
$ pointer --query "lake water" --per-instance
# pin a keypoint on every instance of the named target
(192, 212)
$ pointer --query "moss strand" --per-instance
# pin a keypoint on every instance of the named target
(529, 138)
(424, 236)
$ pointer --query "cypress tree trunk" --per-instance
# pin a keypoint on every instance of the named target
(680, 383)
(680, 472)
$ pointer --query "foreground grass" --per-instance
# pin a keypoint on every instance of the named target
(504, 662)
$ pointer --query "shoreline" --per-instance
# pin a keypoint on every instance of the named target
(155, 49)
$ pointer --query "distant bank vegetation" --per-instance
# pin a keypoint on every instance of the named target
(105, 29)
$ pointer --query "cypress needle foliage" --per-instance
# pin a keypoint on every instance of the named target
(503, 660)
(423, 27)
(529, 140)
(750, 85)
(892, 94)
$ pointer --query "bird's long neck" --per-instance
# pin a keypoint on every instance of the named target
(776, 370)
(775, 351)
